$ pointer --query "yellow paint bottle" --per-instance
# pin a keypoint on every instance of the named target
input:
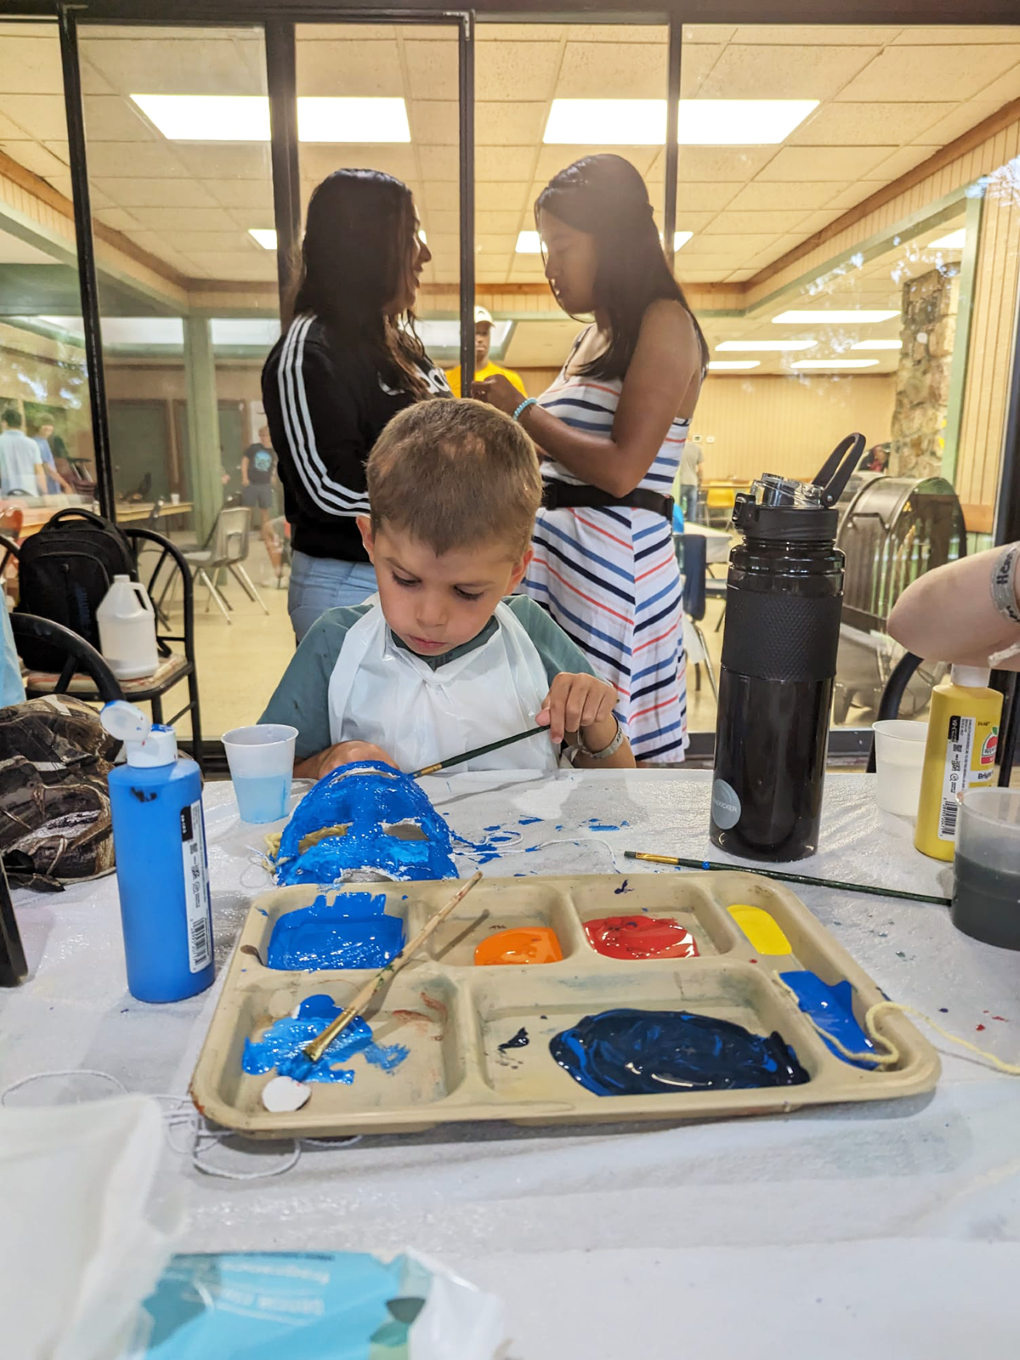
(963, 731)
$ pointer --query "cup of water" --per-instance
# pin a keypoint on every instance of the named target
(899, 762)
(986, 891)
(261, 760)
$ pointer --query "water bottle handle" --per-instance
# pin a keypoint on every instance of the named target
(143, 595)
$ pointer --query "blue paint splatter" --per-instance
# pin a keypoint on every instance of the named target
(596, 825)
(351, 932)
(631, 1052)
(262, 912)
(497, 827)
(624, 888)
(529, 821)
(281, 1046)
(369, 800)
(832, 1009)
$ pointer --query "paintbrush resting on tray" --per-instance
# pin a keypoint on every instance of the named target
(478, 751)
(289, 1090)
(784, 877)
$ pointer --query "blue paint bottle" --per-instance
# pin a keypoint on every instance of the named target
(162, 868)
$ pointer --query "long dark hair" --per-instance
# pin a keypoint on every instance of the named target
(605, 196)
(354, 260)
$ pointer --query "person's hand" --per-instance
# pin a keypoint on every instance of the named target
(343, 753)
(499, 392)
(579, 703)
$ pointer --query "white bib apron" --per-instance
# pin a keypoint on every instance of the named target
(382, 693)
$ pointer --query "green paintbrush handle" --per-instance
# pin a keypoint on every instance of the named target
(479, 751)
(784, 877)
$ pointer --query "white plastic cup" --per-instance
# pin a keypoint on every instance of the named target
(899, 761)
(175, 498)
(261, 760)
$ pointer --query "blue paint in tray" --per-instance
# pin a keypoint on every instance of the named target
(282, 1044)
(832, 1009)
(353, 931)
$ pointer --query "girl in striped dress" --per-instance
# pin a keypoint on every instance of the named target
(611, 429)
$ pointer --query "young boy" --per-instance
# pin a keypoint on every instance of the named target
(443, 662)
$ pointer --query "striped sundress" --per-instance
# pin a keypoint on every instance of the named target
(609, 578)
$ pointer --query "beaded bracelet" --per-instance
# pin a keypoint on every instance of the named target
(528, 401)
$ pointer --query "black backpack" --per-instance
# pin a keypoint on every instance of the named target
(64, 571)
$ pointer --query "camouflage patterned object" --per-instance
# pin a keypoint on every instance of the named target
(54, 802)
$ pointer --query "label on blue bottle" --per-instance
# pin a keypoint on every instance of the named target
(196, 888)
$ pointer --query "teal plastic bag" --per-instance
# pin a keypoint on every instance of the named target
(12, 691)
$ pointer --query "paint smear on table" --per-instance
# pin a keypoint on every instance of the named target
(832, 1010)
(530, 944)
(519, 1040)
(353, 931)
(282, 1044)
(761, 930)
(631, 1052)
(640, 937)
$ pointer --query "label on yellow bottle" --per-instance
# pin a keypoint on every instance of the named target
(970, 762)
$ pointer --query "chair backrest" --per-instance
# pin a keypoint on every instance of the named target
(169, 561)
(229, 538)
(694, 560)
(80, 656)
(12, 517)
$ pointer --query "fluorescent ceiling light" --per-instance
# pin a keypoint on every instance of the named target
(826, 318)
(833, 363)
(422, 237)
(239, 332)
(748, 346)
(702, 122)
(734, 363)
(680, 239)
(956, 240)
(265, 236)
(878, 344)
(528, 243)
(245, 118)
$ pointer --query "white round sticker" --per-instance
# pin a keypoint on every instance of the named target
(725, 805)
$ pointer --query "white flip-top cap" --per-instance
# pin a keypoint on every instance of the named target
(147, 745)
(970, 677)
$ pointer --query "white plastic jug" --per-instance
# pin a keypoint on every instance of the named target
(127, 630)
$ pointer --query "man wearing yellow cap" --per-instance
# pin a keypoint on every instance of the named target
(483, 369)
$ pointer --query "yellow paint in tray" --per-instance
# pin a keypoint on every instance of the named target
(761, 930)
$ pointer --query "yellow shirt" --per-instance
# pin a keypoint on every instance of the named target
(489, 371)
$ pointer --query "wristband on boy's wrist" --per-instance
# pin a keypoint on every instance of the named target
(606, 751)
(1003, 582)
(528, 401)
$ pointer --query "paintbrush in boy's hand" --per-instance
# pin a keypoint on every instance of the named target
(478, 751)
(290, 1090)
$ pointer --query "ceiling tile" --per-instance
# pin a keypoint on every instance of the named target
(613, 71)
(61, 150)
(689, 219)
(348, 66)
(696, 65)
(220, 63)
(432, 69)
(212, 242)
(112, 118)
(715, 274)
(313, 33)
(617, 33)
(318, 159)
(508, 71)
(743, 244)
(11, 132)
(948, 35)
(434, 121)
(39, 115)
(712, 197)
(508, 162)
(806, 194)
(117, 218)
(234, 265)
(821, 163)
(34, 157)
(154, 193)
(708, 33)
(500, 222)
(441, 163)
(817, 220)
(502, 243)
(739, 221)
(513, 194)
(907, 158)
(735, 164)
(908, 74)
(852, 194)
(525, 32)
(955, 124)
(818, 35)
(788, 72)
(238, 193)
(144, 158)
(36, 59)
(739, 275)
(553, 159)
(1003, 90)
(516, 124)
(487, 271)
(867, 124)
(185, 219)
(262, 218)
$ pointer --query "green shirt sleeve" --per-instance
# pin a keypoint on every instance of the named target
(557, 651)
(302, 696)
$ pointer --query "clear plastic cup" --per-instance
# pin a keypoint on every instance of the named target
(899, 761)
(986, 891)
(261, 760)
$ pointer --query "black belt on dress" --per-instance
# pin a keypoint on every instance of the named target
(558, 495)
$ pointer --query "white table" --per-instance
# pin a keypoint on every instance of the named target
(717, 541)
(892, 1228)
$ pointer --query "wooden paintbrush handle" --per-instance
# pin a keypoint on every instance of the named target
(315, 1048)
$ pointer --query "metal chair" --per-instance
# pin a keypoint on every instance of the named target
(226, 548)
(82, 657)
(692, 553)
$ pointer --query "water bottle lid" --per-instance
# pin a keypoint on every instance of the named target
(158, 748)
(147, 744)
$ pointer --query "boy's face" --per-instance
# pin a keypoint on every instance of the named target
(435, 603)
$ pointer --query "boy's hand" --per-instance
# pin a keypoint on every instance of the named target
(343, 753)
(579, 703)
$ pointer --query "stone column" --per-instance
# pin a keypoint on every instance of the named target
(922, 380)
(204, 461)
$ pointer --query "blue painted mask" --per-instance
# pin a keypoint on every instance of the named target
(379, 823)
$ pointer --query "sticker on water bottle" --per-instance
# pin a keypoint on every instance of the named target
(725, 805)
(196, 888)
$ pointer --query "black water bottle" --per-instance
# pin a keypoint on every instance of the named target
(784, 598)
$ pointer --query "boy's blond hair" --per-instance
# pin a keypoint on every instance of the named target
(455, 474)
